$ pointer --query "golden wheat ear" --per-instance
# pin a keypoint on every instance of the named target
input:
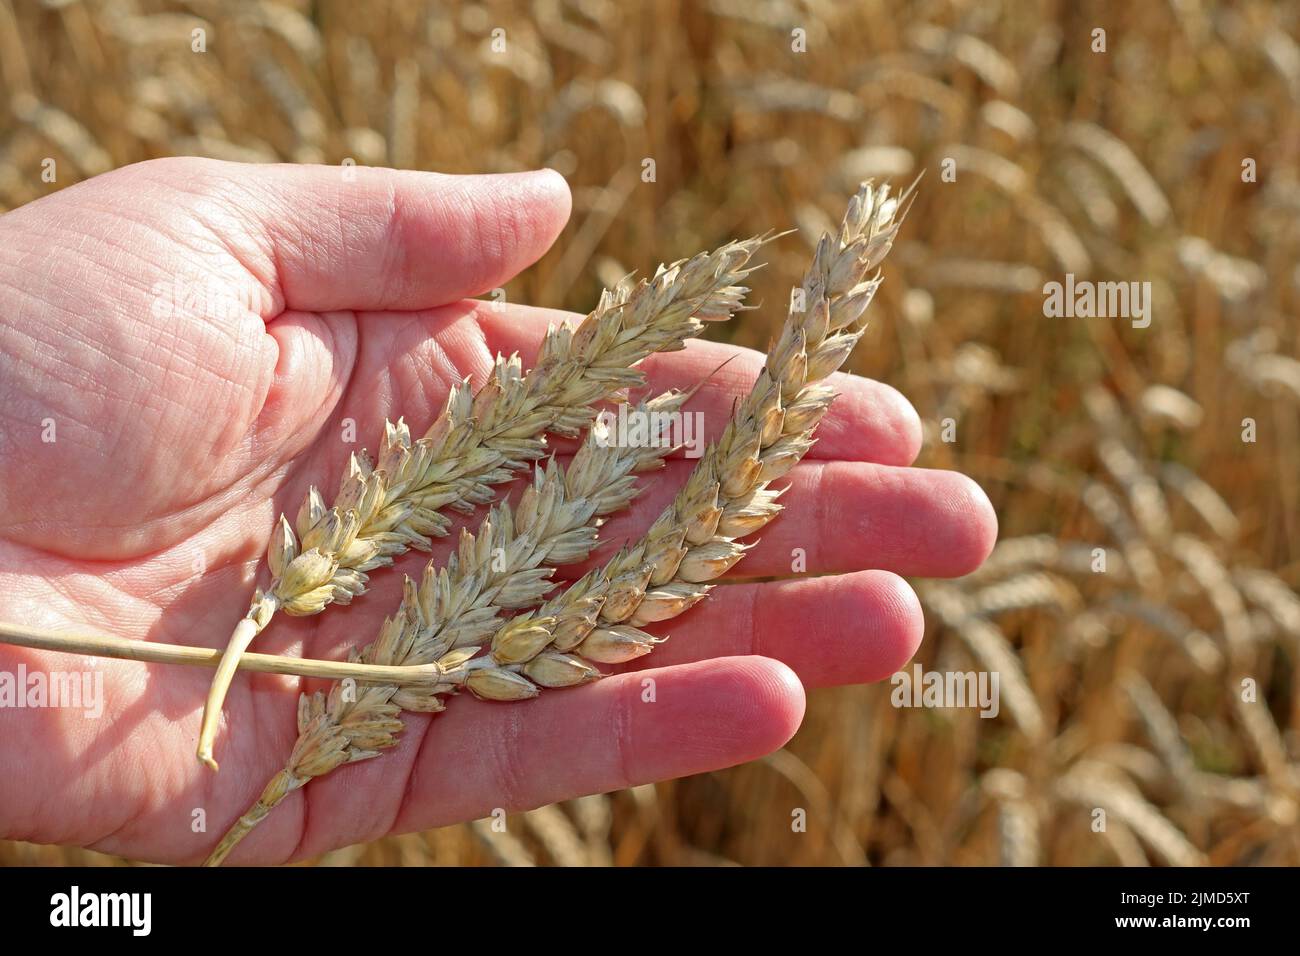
(728, 494)
(453, 616)
(483, 439)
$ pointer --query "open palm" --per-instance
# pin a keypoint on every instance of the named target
(187, 345)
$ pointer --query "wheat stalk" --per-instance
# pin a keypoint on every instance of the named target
(386, 508)
(596, 618)
(121, 648)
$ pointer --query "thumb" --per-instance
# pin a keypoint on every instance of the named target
(362, 238)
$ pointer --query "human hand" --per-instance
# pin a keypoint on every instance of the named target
(293, 300)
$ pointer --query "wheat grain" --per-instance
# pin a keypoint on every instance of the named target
(385, 508)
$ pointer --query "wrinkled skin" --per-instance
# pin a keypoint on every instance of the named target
(195, 336)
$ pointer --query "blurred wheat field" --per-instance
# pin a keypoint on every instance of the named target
(1121, 690)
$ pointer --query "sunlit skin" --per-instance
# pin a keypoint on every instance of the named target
(179, 434)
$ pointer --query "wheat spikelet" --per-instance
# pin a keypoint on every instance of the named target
(982, 59)
(76, 142)
(385, 508)
(1236, 280)
(307, 124)
(1145, 498)
(1123, 842)
(296, 30)
(599, 617)
(1043, 551)
(1014, 278)
(594, 817)
(786, 94)
(402, 113)
(1261, 732)
(621, 101)
(871, 161)
(1090, 194)
(1139, 764)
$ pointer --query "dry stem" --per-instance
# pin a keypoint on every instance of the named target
(121, 648)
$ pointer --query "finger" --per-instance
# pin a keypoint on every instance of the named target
(839, 517)
(869, 421)
(480, 756)
(840, 629)
(330, 238)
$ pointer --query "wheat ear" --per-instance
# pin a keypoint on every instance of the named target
(692, 542)
(454, 610)
(481, 440)
(727, 495)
